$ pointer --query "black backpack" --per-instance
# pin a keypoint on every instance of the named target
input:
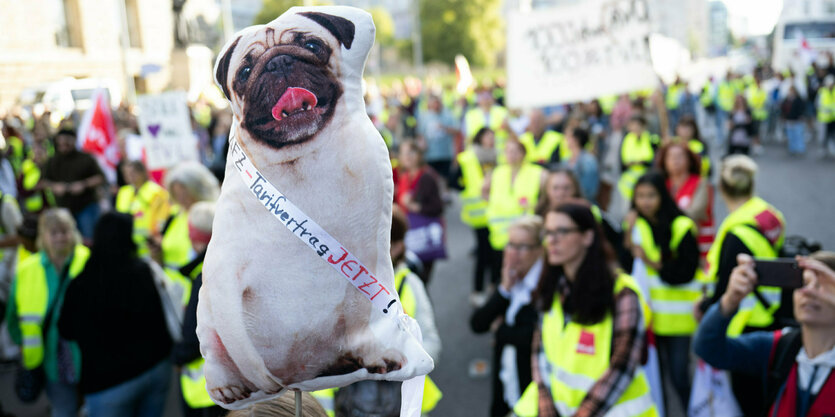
(782, 359)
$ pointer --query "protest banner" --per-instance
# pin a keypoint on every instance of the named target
(165, 127)
(97, 135)
(578, 52)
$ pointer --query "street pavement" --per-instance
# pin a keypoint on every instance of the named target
(803, 188)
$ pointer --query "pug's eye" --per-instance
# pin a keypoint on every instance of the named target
(313, 46)
(243, 74)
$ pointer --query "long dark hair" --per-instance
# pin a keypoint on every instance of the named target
(667, 212)
(591, 296)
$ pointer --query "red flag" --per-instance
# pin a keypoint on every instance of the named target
(97, 135)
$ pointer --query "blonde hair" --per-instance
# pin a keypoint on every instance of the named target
(736, 178)
(531, 223)
(200, 183)
(201, 215)
(282, 406)
(52, 218)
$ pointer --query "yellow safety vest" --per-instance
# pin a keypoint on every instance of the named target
(147, 206)
(176, 248)
(17, 155)
(193, 385)
(473, 205)
(756, 99)
(674, 96)
(31, 177)
(431, 393)
(825, 105)
(698, 148)
(541, 152)
(743, 224)
(706, 98)
(578, 355)
(636, 153)
(503, 206)
(726, 96)
(672, 305)
(475, 120)
(607, 103)
(32, 301)
(325, 398)
(192, 379)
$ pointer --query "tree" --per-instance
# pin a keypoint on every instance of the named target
(271, 9)
(385, 26)
(473, 28)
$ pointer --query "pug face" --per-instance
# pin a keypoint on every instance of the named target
(284, 79)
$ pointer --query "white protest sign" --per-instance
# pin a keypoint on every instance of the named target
(166, 129)
(578, 52)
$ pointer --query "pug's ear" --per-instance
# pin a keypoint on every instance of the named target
(341, 28)
(222, 68)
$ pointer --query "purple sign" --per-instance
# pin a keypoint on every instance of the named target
(426, 237)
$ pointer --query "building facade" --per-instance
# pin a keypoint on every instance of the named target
(44, 41)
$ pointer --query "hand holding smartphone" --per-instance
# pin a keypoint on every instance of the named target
(780, 272)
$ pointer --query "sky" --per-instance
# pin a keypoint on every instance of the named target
(753, 17)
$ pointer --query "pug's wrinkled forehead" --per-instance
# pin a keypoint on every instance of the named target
(341, 36)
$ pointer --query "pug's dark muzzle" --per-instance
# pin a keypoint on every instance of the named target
(289, 94)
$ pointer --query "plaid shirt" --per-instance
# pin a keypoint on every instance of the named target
(628, 344)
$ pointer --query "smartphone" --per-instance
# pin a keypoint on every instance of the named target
(781, 272)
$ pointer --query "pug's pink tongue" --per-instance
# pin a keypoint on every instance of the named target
(294, 100)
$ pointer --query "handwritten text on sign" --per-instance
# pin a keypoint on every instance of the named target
(309, 232)
(578, 52)
(165, 126)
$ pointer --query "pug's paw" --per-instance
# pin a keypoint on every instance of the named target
(230, 393)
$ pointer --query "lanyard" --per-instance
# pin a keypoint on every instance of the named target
(805, 396)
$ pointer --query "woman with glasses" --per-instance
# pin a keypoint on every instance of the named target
(587, 351)
(562, 186)
(510, 315)
(663, 243)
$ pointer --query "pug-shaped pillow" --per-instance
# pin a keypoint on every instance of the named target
(273, 312)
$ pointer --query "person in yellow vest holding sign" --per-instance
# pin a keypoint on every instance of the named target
(513, 190)
(474, 164)
(143, 199)
(114, 312)
(542, 145)
(486, 114)
(186, 353)
(756, 228)
(663, 243)
(637, 153)
(35, 303)
(587, 351)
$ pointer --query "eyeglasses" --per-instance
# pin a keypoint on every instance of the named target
(560, 232)
(521, 247)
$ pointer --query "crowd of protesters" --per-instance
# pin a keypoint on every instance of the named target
(599, 267)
